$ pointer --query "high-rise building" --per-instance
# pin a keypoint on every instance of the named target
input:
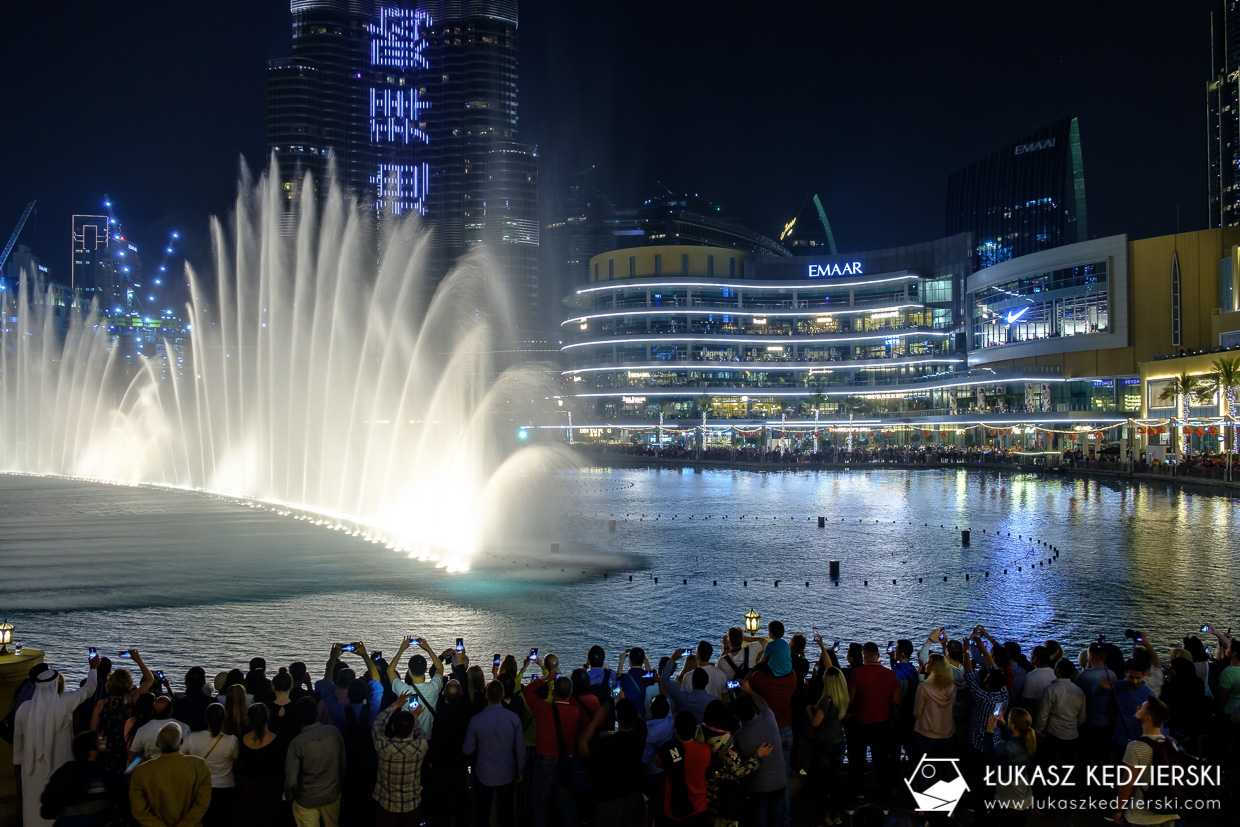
(484, 182)
(1223, 115)
(809, 231)
(1027, 196)
(583, 225)
(692, 219)
(91, 241)
(350, 92)
(416, 100)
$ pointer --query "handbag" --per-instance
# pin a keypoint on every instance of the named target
(570, 772)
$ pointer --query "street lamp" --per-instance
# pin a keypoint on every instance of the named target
(6, 637)
(752, 619)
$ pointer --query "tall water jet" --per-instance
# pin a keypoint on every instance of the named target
(317, 375)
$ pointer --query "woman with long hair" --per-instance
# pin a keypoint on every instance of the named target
(826, 716)
(219, 750)
(1013, 795)
(260, 772)
(932, 709)
(235, 714)
(111, 719)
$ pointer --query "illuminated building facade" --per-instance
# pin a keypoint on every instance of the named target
(1223, 116)
(681, 330)
(1027, 196)
(350, 91)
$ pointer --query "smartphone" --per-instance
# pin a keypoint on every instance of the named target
(159, 675)
(835, 647)
(495, 660)
(414, 703)
(615, 691)
(1205, 627)
(460, 644)
(348, 647)
(891, 646)
(93, 653)
(375, 655)
(534, 654)
(734, 685)
(999, 710)
(651, 674)
(133, 765)
(415, 641)
(124, 653)
(943, 637)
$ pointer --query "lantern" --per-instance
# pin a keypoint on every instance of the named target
(1072, 437)
(993, 432)
(6, 637)
(1141, 430)
(1213, 431)
(926, 434)
(1199, 431)
(752, 619)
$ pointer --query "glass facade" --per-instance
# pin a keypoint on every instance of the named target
(1026, 197)
(1072, 301)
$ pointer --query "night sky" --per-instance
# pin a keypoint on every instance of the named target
(871, 105)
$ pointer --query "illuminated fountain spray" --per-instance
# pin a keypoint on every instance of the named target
(315, 378)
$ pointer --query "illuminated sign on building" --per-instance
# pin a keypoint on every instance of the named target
(632, 400)
(848, 268)
(886, 314)
(639, 374)
(1021, 149)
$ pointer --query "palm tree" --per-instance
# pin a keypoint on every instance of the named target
(1179, 390)
(1225, 381)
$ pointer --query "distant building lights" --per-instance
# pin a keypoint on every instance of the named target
(158, 281)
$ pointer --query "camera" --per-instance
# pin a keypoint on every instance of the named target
(1132, 635)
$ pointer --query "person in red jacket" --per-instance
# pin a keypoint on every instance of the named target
(684, 762)
(873, 690)
(557, 726)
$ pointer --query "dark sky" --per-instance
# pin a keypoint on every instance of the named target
(871, 105)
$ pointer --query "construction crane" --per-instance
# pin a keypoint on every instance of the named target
(8, 248)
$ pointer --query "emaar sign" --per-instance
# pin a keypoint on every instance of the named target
(1034, 146)
(848, 268)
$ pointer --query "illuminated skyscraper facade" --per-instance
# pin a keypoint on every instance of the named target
(1026, 197)
(1223, 116)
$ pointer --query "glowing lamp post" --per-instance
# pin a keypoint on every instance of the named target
(6, 637)
(752, 619)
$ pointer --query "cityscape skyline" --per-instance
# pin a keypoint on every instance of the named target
(576, 116)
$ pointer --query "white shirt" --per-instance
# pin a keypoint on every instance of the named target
(718, 685)
(755, 652)
(1036, 682)
(222, 755)
(144, 739)
(1139, 754)
(429, 691)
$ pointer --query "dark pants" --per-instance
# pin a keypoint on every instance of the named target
(878, 738)
(828, 758)
(653, 787)
(222, 810)
(505, 808)
(1095, 744)
(1056, 751)
(545, 789)
(629, 811)
(765, 809)
(386, 818)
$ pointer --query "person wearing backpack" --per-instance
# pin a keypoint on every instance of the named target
(738, 658)
(1150, 749)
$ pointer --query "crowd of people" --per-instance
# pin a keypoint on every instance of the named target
(757, 731)
(825, 455)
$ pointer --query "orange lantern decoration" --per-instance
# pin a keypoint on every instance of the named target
(1213, 431)
(1141, 430)
(1199, 431)
(926, 434)
(1072, 437)
(993, 432)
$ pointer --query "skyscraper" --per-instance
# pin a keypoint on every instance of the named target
(484, 182)
(1027, 196)
(1223, 115)
(417, 102)
(350, 90)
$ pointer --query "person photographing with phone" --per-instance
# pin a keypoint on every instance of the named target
(401, 746)
(43, 733)
(425, 689)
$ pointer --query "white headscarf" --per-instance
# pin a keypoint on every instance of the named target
(44, 716)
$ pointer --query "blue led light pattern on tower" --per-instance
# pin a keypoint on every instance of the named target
(397, 44)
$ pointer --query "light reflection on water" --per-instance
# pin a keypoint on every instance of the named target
(195, 580)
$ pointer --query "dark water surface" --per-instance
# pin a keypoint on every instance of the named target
(191, 579)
